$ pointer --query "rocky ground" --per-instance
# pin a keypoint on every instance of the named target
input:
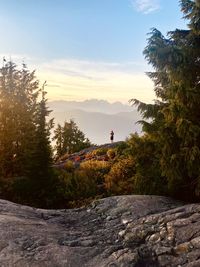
(135, 231)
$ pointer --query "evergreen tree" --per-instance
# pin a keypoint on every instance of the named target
(58, 137)
(175, 116)
(40, 168)
(18, 95)
(42, 151)
(25, 151)
(69, 139)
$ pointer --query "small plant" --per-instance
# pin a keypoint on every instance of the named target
(100, 151)
(111, 153)
(77, 158)
(69, 166)
(95, 166)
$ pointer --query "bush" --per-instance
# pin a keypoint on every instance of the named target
(96, 170)
(83, 183)
(120, 179)
(96, 166)
(111, 153)
(69, 166)
(99, 151)
(121, 147)
(148, 177)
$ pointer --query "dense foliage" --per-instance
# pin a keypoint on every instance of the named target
(69, 139)
(25, 151)
(93, 175)
(175, 124)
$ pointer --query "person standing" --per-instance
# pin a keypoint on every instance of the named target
(111, 136)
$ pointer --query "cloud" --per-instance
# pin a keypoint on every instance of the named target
(74, 79)
(146, 6)
(81, 79)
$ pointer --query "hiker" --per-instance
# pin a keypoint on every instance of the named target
(111, 136)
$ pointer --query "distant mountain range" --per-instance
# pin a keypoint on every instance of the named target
(96, 118)
(92, 105)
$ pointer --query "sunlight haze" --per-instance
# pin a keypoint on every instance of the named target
(86, 49)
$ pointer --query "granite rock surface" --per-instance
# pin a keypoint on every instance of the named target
(121, 231)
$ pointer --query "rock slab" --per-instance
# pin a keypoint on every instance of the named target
(121, 231)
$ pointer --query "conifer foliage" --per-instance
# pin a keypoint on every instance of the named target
(175, 123)
(25, 153)
(69, 139)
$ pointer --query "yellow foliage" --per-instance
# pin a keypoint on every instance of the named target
(95, 165)
(69, 166)
(120, 179)
(111, 153)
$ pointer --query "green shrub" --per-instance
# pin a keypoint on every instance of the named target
(95, 165)
(95, 170)
(69, 166)
(83, 183)
(99, 151)
(120, 179)
(148, 176)
(121, 147)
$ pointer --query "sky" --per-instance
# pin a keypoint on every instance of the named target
(86, 49)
